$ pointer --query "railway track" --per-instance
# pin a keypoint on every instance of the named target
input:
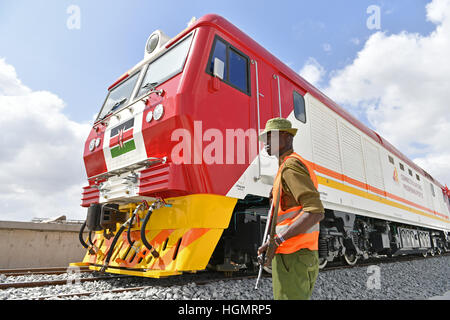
(375, 261)
(135, 286)
(30, 284)
(198, 279)
(122, 290)
(31, 271)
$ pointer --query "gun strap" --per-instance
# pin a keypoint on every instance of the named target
(276, 205)
(275, 214)
(273, 223)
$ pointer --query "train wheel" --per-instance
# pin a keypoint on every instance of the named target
(322, 263)
(350, 258)
(425, 254)
(432, 252)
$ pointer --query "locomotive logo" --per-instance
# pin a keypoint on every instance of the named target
(446, 194)
(122, 140)
(395, 175)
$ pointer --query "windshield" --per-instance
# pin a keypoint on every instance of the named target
(118, 96)
(166, 66)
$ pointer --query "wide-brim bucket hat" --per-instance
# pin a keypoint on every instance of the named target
(278, 124)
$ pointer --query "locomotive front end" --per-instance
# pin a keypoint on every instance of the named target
(146, 214)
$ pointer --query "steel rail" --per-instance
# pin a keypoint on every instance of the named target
(38, 270)
(31, 284)
(376, 261)
(28, 273)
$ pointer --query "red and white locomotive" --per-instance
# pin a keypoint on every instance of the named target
(178, 180)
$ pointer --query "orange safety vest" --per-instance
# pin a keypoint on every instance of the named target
(309, 239)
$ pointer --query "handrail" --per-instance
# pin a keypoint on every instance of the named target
(258, 119)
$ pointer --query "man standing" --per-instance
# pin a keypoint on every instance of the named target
(297, 213)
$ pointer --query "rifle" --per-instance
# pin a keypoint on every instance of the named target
(270, 224)
(266, 237)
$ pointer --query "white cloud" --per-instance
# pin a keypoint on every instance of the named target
(401, 82)
(437, 11)
(41, 160)
(312, 71)
(355, 41)
(437, 163)
(9, 83)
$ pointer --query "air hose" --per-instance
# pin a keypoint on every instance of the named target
(133, 215)
(155, 205)
(129, 230)
(113, 244)
(80, 236)
(128, 223)
(83, 243)
(90, 238)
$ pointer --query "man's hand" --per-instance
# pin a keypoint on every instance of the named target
(263, 248)
(269, 248)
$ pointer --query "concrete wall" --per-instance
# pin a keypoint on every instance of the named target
(33, 245)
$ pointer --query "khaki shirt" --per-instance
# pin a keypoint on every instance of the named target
(298, 188)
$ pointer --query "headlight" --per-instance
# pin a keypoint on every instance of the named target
(97, 142)
(92, 145)
(158, 112)
(152, 42)
(149, 116)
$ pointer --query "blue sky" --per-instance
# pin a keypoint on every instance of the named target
(53, 80)
(78, 65)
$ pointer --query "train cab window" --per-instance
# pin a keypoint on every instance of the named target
(220, 52)
(417, 177)
(238, 70)
(402, 167)
(299, 107)
(410, 172)
(165, 66)
(391, 160)
(432, 190)
(236, 65)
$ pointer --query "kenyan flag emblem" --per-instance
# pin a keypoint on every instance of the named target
(122, 140)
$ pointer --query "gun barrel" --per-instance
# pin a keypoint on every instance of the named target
(259, 276)
(261, 257)
(268, 221)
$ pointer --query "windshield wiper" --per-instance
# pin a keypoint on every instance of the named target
(150, 85)
(115, 106)
(118, 103)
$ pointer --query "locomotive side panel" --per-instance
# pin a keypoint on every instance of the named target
(352, 171)
(297, 113)
(336, 145)
(352, 156)
(372, 160)
(224, 108)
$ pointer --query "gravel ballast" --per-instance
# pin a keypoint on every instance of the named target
(417, 279)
